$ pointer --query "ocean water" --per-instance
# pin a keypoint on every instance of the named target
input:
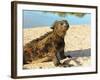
(39, 18)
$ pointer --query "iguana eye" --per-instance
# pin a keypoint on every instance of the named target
(61, 23)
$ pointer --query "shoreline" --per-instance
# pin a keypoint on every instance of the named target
(73, 25)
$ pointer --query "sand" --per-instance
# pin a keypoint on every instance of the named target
(77, 44)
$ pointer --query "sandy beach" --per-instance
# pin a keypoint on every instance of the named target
(77, 44)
